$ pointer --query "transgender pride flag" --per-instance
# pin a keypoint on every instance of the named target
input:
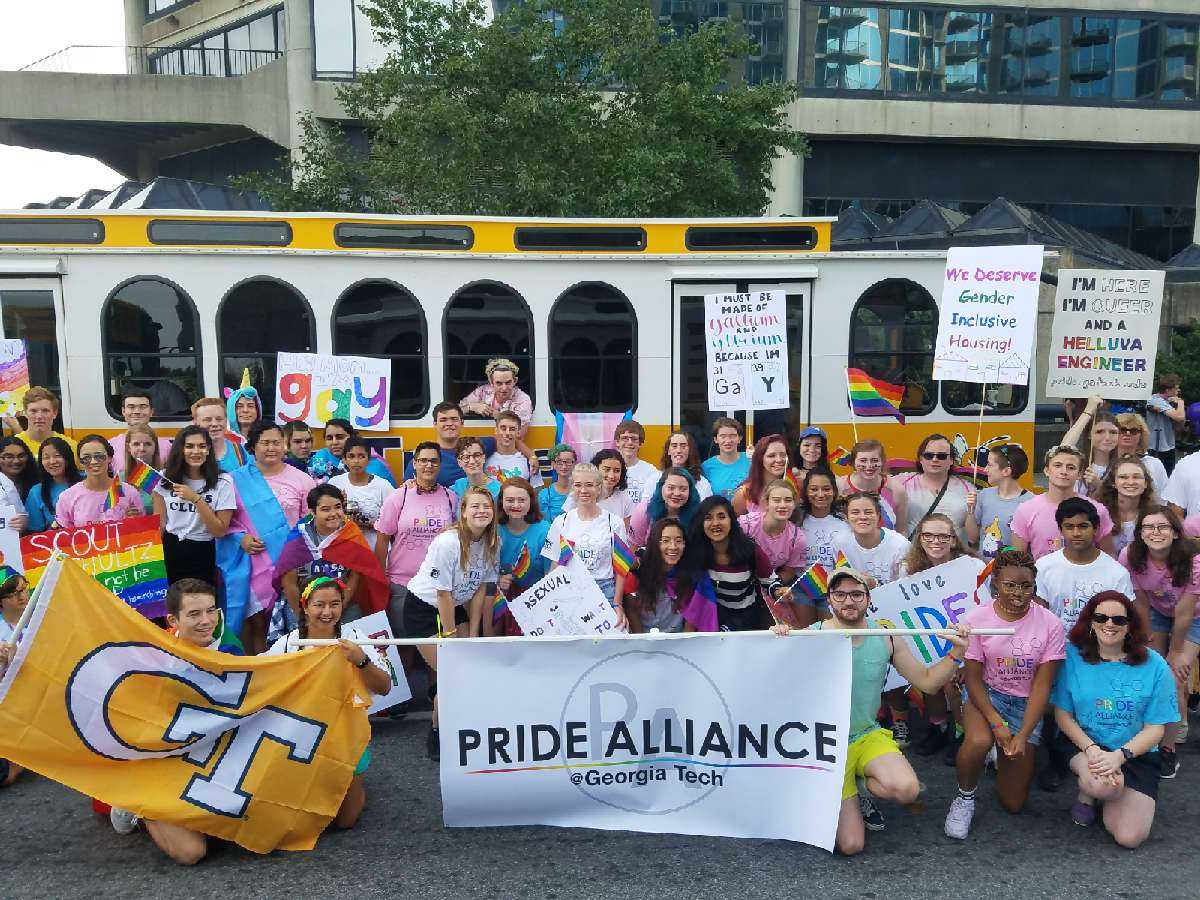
(588, 433)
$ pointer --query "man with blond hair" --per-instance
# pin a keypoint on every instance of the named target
(41, 409)
(499, 394)
(209, 413)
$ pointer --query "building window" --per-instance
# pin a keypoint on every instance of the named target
(383, 320)
(151, 340)
(257, 319)
(849, 48)
(893, 330)
(155, 8)
(593, 350)
(236, 50)
(483, 321)
(961, 398)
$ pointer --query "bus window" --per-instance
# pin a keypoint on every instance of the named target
(593, 358)
(482, 321)
(29, 315)
(257, 319)
(961, 398)
(382, 319)
(893, 330)
(151, 340)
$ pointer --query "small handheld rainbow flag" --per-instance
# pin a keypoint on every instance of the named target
(873, 396)
(499, 606)
(840, 561)
(143, 477)
(814, 583)
(566, 550)
(524, 561)
(622, 556)
(839, 456)
(113, 497)
(790, 477)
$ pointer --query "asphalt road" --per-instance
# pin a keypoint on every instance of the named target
(52, 846)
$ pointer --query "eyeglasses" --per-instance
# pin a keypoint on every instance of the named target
(13, 457)
(93, 458)
(1018, 587)
(939, 456)
(1148, 528)
(475, 455)
(936, 538)
(426, 461)
(1102, 619)
(842, 596)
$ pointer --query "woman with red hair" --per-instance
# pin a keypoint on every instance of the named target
(769, 461)
(1112, 697)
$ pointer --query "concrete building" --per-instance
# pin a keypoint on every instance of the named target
(958, 102)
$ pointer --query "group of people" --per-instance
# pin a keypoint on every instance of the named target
(1098, 575)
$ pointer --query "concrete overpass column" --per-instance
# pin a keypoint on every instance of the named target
(787, 171)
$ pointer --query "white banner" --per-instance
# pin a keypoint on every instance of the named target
(376, 627)
(316, 387)
(683, 736)
(1105, 333)
(988, 317)
(567, 601)
(746, 342)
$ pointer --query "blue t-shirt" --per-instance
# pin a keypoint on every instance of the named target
(1113, 701)
(40, 516)
(510, 548)
(726, 478)
(450, 471)
(551, 502)
(460, 487)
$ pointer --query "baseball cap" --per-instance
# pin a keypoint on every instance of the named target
(849, 572)
(811, 431)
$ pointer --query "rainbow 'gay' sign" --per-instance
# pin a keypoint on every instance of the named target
(14, 376)
(126, 557)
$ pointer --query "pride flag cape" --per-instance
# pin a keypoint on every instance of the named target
(622, 556)
(248, 577)
(143, 477)
(701, 608)
(347, 548)
(873, 396)
(236, 455)
(814, 583)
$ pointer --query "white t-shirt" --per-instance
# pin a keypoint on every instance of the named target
(369, 497)
(6, 632)
(182, 519)
(618, 503)
(1067, 587)
(1183, 487)
(641, 479)
(10, 496)
(281, 647)
(1158, 473)
(593, 540)
(440, 571)
(503, 466)
(703, 488)
(882, 562)
(821, 534)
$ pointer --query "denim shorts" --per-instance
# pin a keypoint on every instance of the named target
(1012, 711)
(1165, 624)
(608, 587)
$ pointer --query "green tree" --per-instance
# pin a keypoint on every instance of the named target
(554, 108)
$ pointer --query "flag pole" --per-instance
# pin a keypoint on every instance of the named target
(978, 435)
(853, 420)
(34, 598)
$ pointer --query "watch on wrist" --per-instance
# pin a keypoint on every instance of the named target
(366, 660)
(1127, 753)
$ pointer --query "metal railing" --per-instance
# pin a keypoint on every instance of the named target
(100, 59)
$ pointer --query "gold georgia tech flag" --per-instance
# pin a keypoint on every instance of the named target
(255, 750)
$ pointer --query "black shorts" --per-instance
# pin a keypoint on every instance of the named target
(754, 617)
(1141, 773)
(421, 618)
(189, 559)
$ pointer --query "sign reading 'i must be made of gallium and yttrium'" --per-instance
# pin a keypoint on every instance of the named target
(745, 339)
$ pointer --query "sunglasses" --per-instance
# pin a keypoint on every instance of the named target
(1130, 430)
(1102, 619)
(929, 455)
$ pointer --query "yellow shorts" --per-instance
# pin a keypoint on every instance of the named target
(861, 751)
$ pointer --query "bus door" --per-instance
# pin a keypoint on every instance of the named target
(30, 309)
(689, 393)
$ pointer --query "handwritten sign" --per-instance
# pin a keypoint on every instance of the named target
(1105, 333)
(126, 557)
(567, 601)
(376, 627)
(315, 387)
(988, 316)
(14, 376)
(745, 338)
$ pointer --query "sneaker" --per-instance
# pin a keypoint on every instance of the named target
(433, 744)
(1168, 762)
(871, 816)
(1193, 702)
(123, 821)
(1083, 814)
(935, 739)
(1049, 779)
(958, 819)
(900, 733)
(950, 756)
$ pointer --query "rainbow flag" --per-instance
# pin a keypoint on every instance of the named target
(499, 605)
(113, 497)
(143, 477)
(814, 583)
(622, 556)
(839, 456)
(566, 550)
(522, 565)
(840, 561)
(790, 477)
(984, 574)
(873, 396)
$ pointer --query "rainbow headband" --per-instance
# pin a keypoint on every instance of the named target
(318, 582)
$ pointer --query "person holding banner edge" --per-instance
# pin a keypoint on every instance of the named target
(872, 754)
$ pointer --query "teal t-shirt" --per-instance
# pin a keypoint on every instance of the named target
(1113, 701)
(551, 502)
(460, 487)
(726, 478)
(510, 550)
(871, 660)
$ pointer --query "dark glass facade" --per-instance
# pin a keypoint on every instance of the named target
(999, 54)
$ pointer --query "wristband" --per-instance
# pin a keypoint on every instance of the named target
(999, 725)
(447, 634)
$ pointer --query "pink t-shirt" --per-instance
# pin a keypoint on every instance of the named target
(118, 445)
(1191, 525)
(788, 548)
(1156, 582)
(77, 506)
(290, 487)
(412, 519)
(1009, 661)
(1034, 523)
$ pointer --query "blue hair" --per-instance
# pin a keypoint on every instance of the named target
(657, 507)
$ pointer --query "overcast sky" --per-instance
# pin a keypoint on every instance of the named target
(31, 31)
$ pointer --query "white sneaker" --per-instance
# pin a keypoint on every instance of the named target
(958, 819)
(123, 821)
